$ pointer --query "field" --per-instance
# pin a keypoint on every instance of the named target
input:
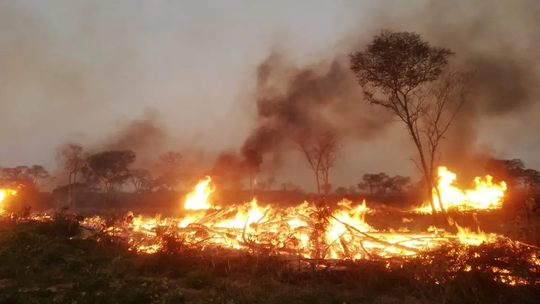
(44, 262)
(206, 251)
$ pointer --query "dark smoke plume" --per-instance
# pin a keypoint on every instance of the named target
(298, 101)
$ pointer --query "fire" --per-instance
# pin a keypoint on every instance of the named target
(198, 199)
(305, 231)
(484, 196)
(3, 194)
(288, 231)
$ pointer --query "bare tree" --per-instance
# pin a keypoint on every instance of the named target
(410, 78)
(321, 151)
(71, 158)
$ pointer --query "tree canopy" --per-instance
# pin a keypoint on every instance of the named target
(404, 74)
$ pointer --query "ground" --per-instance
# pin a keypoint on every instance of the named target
(41, 264)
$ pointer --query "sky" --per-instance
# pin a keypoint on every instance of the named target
(76, 70)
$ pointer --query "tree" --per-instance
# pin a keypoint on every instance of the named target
(410, 78)
(14, 176)
(36, 173)
(508, 170)
(71, 158)
(531, 179)
(398, 183)
(288, 186)
(169, 165)
(270, 182)
(141, 179)
(321, 151)
(374, 183)
(111, 168)
(341, 191)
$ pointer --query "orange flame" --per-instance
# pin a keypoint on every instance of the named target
(198, 199)
(3, 194)
(295, 231)
(484, 196)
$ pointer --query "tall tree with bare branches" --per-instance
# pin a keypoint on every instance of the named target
(410, 78)
(321, 151)
(71, 158)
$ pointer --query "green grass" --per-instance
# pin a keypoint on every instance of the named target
(41, 264)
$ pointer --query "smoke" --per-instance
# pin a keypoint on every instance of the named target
(146, 136)
(293, 101)
(498, 42)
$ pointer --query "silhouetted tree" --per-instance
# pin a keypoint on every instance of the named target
(111, 168)
(36, 173)
(531, 179)
(14, 176)
(341, 191)
(169, 165)
(373, 183)
(407, 76)
(141, 179)
(71, 158)
(321, 151)
(399, 184)
(508, 170)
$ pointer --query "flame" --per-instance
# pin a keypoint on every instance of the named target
(3, 194)
(306, 230)
(484, 196)
(293, 230)
(198, 199)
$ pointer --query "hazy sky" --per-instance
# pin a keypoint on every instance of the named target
(72, 69)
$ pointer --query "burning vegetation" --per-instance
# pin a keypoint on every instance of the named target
(316, 236)
(403, 78)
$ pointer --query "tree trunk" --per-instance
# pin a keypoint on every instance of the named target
(69, 190)
(441, 203)
(427, 174)
(430, 197)
(318, 184)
